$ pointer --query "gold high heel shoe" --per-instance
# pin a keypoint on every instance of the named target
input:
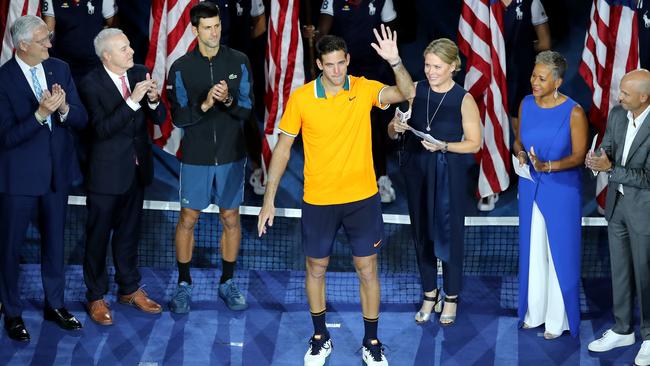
(421, 317)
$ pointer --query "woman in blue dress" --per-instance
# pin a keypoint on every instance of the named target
(434, 175)
(552, 138)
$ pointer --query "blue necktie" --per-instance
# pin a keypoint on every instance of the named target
(39, 91)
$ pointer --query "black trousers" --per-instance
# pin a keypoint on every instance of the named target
(121, 215)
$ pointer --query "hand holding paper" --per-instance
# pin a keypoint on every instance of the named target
(426, 137)
(522, 170)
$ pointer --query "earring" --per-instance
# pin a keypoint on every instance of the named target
(555, 94)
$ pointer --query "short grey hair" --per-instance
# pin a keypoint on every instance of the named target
(555, 61)
(23, 28)
(100, 40)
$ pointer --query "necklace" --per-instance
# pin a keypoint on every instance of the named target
(437, 108)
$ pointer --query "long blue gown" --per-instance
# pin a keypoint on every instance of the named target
(557, 195)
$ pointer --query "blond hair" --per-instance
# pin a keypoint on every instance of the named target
(446, 50)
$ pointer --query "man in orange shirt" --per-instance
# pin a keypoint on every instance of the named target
(333, 113)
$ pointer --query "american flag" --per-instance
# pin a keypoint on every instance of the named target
(480, 39)
(611, 50)
(170, 35)
(284, 70)
(9, 12)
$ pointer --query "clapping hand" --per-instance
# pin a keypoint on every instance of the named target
(598, 161)
(152, 92)
(386, 45)
(221, 91)
(58, 91)
(141, 88)
(50, 102)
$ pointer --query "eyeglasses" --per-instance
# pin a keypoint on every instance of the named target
(44, 41)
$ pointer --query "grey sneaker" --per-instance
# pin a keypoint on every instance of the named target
(231, 295)
(180, 302)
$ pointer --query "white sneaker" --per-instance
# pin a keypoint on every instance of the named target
(386, 191)
(256, 181)
(373, 354)
(318, 351)
(643, 357)
(611, 340)
(487, 203)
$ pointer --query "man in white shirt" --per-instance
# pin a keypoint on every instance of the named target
(118, 95)
(625, 154)
(40, 107)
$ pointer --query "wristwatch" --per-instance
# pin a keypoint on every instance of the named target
(446, 147)
(40, 119)
(228, 100)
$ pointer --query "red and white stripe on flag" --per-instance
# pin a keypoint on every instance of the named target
(480, 39)
(170, 37)
(9, 12)
(611, 50)
(284, 69)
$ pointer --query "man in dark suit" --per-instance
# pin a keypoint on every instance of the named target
(38, 107)
(119, 96)
(625, 154)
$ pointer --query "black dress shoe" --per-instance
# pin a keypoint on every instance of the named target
(62, 318)
(16, 329)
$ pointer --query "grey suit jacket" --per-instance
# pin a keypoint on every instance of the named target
(635, 175)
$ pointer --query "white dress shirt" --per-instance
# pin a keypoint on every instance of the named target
(118, 84)
(633, 127)
(40, 75)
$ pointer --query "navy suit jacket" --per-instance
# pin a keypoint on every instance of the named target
(34, 159)
(119, 134)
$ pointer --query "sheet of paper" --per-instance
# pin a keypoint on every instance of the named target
(427, 137)
(522, 171)
(592, 150)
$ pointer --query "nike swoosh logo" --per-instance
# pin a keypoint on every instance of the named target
(377, 244)
(352, 98)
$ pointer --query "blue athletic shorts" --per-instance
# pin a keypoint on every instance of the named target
(362, 221)
(199, 184)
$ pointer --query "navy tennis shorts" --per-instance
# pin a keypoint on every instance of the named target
(200, 183)
(361, 220)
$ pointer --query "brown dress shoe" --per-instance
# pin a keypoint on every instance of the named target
(99, 312)
(140, 300)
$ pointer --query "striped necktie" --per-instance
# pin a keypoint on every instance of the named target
(125, 89)
(39, 91)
